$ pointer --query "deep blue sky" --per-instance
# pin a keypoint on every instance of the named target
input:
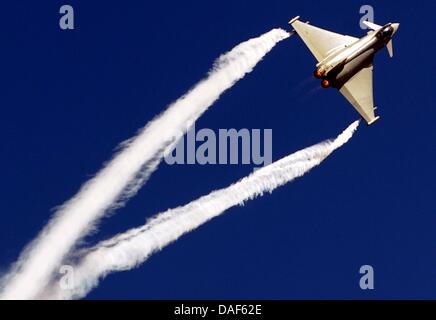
(69, 97)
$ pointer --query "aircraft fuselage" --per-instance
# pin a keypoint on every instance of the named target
(346, 62)
(341, 64)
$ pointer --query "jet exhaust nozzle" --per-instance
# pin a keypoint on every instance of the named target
(325, 83)
(318, 73)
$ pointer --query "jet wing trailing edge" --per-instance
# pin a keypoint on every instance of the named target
(358, 91)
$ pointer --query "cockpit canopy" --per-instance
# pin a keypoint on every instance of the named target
(385, 32)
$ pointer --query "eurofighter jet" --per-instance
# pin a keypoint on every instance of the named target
(346, 62)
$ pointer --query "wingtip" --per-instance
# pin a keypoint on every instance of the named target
(373, 120)
(293, 20)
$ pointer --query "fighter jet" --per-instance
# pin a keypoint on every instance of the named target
(345, 62)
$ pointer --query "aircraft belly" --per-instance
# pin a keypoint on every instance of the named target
(345, 72)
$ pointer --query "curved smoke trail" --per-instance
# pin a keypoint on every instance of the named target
(121, 178)
(128, 250)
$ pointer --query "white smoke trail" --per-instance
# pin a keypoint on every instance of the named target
(121, 178)
(128, 250)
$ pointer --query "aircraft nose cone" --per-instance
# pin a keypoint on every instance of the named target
(395, 26)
